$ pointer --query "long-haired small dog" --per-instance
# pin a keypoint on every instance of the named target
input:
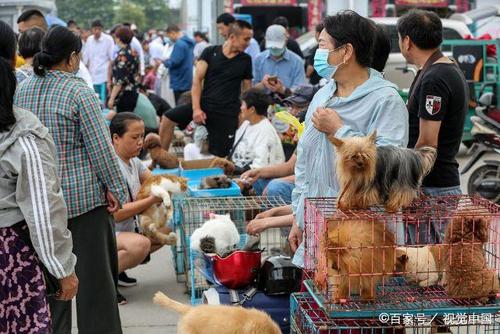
(360, 256)
(371, 175)
(158, 155)
(467, 274)
(218, 319)
(158, 215)
(223, 163)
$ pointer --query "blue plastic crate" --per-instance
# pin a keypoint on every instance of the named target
(161, 171)
(194, 191)
(198, 174)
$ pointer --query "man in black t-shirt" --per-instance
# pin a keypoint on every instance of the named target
(438, 99)
(222, 73)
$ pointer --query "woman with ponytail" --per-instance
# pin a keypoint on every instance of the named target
(33, 228)
(91, 179)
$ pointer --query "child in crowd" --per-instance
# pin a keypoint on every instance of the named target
(127, 133)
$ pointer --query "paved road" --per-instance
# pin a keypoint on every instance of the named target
(140, 315)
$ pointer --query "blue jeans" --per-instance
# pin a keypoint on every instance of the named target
(275, 188)
(432, 231)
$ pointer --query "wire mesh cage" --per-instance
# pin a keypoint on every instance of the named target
(441, 254)
(195, 211)
(307, 317)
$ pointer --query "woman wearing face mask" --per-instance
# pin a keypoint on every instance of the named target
(356, 101)
(91, 179)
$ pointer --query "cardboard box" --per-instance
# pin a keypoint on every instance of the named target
(196, 164)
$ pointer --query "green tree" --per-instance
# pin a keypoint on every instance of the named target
(158, 15)
(131, 12)
(86, 11)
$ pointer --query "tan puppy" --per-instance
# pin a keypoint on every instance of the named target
(158, 155)
(422, 265)
(218, 319)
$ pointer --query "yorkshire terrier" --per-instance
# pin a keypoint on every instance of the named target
(158, 155)
(387, 175)
(467, 274)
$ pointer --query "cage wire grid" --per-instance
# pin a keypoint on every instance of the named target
(307, 317)
(195, 211)
(394, 292)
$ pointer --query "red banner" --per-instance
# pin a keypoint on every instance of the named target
(314, 9)
(269, 2)
(422, 3)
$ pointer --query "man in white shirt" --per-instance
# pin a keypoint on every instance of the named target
(98, 53)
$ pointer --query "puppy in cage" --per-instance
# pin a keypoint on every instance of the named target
(370, 175)
(467, 274)
(422, 265)
(360, 257)
(158, 215)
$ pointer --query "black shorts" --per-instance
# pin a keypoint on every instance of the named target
(221, 127)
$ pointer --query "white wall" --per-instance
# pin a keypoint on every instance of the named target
(359, 6)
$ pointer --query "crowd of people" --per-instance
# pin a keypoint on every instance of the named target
(71, 180)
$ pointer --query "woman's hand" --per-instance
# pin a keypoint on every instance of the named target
(113, 204)
(257, 226)
(111, 104)
(69, 287)
(295, 236)
(266, 214)
(155, 200)
(327, 120)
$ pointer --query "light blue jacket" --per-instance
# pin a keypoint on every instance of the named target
(374, 105)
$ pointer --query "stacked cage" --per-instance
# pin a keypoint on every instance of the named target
(195, 211)
(307, 317)
(437, 257)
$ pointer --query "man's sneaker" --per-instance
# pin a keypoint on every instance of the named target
(124, 280)
(121, 300)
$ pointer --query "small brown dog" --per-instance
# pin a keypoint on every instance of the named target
(467, 274)
(218, 319)
(225, 164)
(360, 257)
(158, 155)
(370, 175)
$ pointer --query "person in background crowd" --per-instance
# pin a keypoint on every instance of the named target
(382, 48)
(222, 73)
(29, 46)
(31, 18)
(291, 44)
(73, 26)
(161, 106)
(311, 73)
(278, 69)
(125, 73)
(224, 20)
(127, 133)
(199, 148)
(180, 63)
(97, 56)
(201, 43)
(437, 105)
(256, 143)
(150, 78)
(92, 184)
(33, 228)
(156, 52)
(134, 45)
(355, 102)
(147, 55)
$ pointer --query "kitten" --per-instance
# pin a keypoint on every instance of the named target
(215, 182)
(388, 175)
(216, 235)
(158, 215)
(220, 319)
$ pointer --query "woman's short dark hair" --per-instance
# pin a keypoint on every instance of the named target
(258, 99)
(119, 124)
(57, 46)
(200, 35)
(124, 34)
(30, 42)
(423, 27)
(7, 77)
(350, 27)
(381, 49)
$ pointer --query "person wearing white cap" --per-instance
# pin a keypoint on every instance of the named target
(278, 69)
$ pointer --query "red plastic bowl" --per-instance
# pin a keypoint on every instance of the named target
(237, 270)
